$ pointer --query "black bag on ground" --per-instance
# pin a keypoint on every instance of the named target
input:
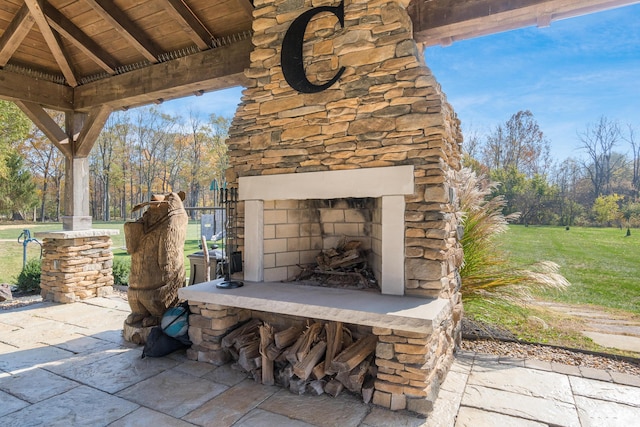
(160, 344)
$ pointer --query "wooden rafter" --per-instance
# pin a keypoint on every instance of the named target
(126, 28)
(445, 21)
(212, 69)
(189, 22)
(47, 125)
(75, 35)
(17, 30)
(52, 40)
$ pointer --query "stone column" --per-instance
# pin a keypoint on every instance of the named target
(76, 264)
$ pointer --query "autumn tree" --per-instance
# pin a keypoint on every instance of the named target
(606, 209)
(519, 144)
(152, 135)
(598, 141)
(14, 127)
(47, 164)
(17, 190)
(635, 160)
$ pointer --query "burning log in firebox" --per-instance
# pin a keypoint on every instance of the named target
(321, 358)
(345, 266)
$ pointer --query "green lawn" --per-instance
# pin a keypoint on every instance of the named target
(602, 264)
(11, 250)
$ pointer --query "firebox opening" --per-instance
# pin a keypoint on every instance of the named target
(350, 235)
(316, 240)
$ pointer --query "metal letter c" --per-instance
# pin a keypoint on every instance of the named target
(291, 59)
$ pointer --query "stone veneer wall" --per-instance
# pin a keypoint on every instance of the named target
(77, 268)
(411, 365)
(385, 110)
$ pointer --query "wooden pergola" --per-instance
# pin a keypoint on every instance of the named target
(87, 58)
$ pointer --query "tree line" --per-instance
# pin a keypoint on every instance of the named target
(139, 152)
(144, 151)
(600, 186)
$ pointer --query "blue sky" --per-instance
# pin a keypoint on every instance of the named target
(568, 75)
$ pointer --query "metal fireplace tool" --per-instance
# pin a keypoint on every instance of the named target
(232, 259)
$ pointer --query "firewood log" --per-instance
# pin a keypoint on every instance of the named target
(318, 371)
(304, 367)
(310, 336)
(333, 387)
(316, 387)
(354, 354)
(334, 344)
(247, 328)
(367, 388)
(290, 353)
(266, 340)
(247, 354)
(284, 339)
(297, 386)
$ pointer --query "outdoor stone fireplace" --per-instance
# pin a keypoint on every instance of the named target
(364, 137)
(284, 229)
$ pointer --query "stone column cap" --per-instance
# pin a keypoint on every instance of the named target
(76, 234)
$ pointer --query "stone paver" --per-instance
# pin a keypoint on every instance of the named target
(91, 377)
(601, 413)
(173, 393)
(82, 406)
(34, 385)
(606, 391)
(113, 373)
(322, 411)
(231, 405)
(472, 417)
(523, 381)
(519, 405)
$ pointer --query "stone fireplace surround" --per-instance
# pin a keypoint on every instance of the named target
(390, 184)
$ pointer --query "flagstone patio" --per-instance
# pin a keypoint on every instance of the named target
(67, 365)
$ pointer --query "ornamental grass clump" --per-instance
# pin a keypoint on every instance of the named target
(486, 270)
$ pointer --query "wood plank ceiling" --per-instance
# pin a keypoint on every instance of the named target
(80, 54)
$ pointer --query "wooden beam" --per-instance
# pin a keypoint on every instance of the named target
(47, 125)
(91, 129)
(126, 28)
(189, 22)
(247, 7)
(35, 7)
(18, 87)
(16, 31)
(212, 69)
(75, 35)
(446, 21)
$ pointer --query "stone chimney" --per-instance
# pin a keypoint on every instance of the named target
(350, 91)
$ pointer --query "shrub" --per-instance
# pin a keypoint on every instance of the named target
(121, 269)
(29, 278)
(486, 270)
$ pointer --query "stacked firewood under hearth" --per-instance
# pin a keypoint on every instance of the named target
(344, 266)
(321, 358)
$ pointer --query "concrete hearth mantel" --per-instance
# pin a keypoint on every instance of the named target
(348, 306)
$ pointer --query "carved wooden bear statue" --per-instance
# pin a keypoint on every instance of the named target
(156, 245)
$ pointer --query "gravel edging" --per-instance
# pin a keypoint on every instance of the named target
(564, 356)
